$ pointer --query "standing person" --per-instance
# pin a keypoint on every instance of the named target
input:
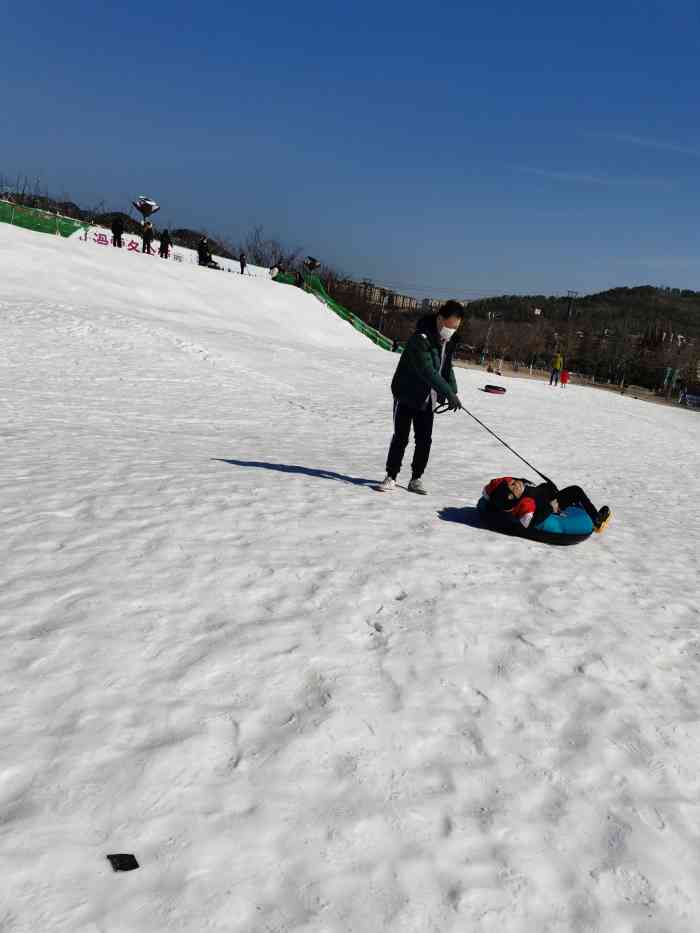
(117, 231)
(243, 262)
(147, 236)
(203, 252)
(557, 364)
(165, 244)
(564, 378)
(424, 376)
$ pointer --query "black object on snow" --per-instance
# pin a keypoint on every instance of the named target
(123, 862)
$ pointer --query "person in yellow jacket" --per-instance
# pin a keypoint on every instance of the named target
(557, 364)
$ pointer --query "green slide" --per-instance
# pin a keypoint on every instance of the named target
(314, 285)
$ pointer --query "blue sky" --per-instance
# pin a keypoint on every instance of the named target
(439, 148)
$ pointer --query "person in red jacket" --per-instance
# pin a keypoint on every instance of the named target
(564, 378)
(531, 504)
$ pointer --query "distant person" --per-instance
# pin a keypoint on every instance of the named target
(557, 363)
(147, 237)
(564, 378)
(274, 272)
(243, 262)
(204, 256)
(203, 252)
(423, 378)
(117, 231)
(165, 245)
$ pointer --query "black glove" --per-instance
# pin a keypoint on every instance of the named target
(453, 403)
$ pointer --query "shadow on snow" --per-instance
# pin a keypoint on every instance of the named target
(292, 468)
(469, 515)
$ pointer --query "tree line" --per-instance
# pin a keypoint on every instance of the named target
(644, 336)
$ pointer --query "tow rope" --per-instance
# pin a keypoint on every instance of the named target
(441, 409)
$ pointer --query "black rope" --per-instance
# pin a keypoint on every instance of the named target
(441, 409)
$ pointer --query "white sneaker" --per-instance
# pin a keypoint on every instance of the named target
(416, 485)
(387, 484)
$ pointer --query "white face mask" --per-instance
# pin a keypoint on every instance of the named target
(447, 332)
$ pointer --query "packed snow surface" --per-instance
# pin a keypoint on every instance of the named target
(303, 705)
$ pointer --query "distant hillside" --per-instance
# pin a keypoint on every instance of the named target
(619, 336)
(633, 308)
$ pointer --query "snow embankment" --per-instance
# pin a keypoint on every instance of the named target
(304, 706)
(132, 243)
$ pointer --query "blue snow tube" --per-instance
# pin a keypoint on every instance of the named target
(569, 527)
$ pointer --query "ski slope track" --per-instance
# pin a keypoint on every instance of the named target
(303, 706)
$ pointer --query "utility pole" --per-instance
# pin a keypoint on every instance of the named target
(492, 316)
(572, 296)
(383, 299)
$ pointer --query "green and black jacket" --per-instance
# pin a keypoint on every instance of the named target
(420, 368)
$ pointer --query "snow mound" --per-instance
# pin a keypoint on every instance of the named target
(101, 236)
(301, 705)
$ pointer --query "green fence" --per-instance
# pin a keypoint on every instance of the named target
(41, 221)
(313, 284)
(284, 278)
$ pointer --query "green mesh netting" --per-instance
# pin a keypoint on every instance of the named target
(40, 221)
(314, 284)
(284, 278)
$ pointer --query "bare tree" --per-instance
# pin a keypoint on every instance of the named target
(267, 251)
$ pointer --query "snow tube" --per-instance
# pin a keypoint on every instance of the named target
(494, 390)
(569, 527)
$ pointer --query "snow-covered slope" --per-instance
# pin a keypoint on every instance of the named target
(102, 237)
(302, 705)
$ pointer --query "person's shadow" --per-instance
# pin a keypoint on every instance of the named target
(469, 515)
(292, 468)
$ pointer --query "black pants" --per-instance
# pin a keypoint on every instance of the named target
(117, 240)
(422, 421)
(574, 495)
(554, 377)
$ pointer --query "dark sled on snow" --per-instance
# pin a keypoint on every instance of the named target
(569, 527)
